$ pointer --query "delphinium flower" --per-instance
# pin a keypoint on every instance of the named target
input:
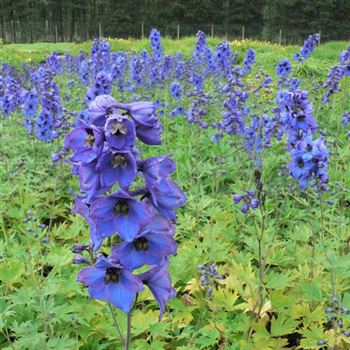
(175, 90)
(308, 47)
(84, 72)
(336, 314)
(296, 115)
(119, 67)
(102, 85)
(346, 118)
(179, 70)
(51, 110)
(234, 118)
(105, 156)
(176, 93)
(223, 59)
(100, 56)
(196, 112)
(283, 68)
(310, 162)
(200, 47)
(336, 73)
(156, 44)
(54, 63)
(135, 73)
(209, 277)
(29, 108)
(166, 68)
(12, 92)
(249, 60)
(248, 199)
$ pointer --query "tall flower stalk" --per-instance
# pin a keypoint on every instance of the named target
(140, 218)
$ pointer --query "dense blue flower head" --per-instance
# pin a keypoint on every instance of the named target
(309, 162)
(308, 47)
(156, 44)
(105, 155)
(283, 68)
(200, 48)
(249, 60)
(175, 90)
(108, 280)
(296, 113)
(222, 58)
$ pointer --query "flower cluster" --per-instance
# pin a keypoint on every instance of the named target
(249, 60)
(335, 315)
(283, 68)
(105, 156)
(248, 199)
(308, 47)
(156, 44)
(209, 276)
(336, 73)
(310, 161)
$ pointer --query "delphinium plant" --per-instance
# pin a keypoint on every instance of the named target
(126, 200)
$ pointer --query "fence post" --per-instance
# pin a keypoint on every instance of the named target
(280, 37)
(46, 30)
(178, 32)
(212, 31)
(56, 34)
(13, 32)
(142, 30)
(100, 30)
(243, 29)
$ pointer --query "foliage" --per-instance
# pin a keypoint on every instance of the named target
(44, 308)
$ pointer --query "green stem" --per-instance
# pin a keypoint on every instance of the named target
(116, 325)
(128, 332)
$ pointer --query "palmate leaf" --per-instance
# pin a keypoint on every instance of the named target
(282, 326)
(277, 280)
(11, 271)
(62, 343)
(224, 298)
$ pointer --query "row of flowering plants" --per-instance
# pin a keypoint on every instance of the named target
(268, 271)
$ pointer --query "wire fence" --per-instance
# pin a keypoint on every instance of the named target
(46, 31)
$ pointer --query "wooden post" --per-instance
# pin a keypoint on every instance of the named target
(99, 30)
(178, 32)
(280, 38)
(142, 30)
(212, 30)
(56, 34)
(243, 29)
(46, 30)
(13, 33)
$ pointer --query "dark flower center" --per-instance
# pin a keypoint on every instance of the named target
(301, 118)
(118, 128)
(121, 208)
(119, 160)
(300, 163)
(141, 244)
(112, 275)
(90, 138)
(309, 147)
